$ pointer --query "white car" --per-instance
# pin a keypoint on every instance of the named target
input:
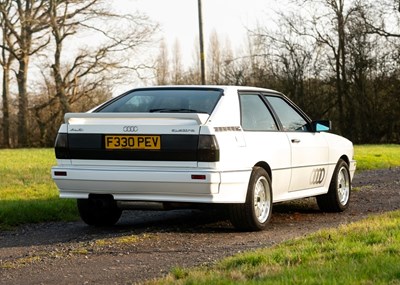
(243, 147)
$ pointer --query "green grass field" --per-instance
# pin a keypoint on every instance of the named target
(27, 192)
(377, 156)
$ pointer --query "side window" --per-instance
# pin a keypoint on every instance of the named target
(291, 120)
(255, 114)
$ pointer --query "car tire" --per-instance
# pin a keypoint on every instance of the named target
(99, 211)
(338, 197)
(255, 213)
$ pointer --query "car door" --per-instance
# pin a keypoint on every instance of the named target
(265, 143)
(310, 155)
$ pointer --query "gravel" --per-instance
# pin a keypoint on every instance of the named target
(148, 244)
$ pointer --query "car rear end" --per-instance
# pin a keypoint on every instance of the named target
(142, 147)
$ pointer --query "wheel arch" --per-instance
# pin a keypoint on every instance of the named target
(338, 196)
(266, 167)
(345, 158)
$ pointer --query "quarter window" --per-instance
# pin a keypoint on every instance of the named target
(290, 119)
(255, 114)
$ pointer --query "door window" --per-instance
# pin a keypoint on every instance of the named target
(290, 119)
(255, 114)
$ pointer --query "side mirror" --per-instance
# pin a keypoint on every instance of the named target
(321, 126)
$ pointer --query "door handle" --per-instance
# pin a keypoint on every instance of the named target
(296, 141)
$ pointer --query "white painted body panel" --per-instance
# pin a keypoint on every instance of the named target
(291, 158)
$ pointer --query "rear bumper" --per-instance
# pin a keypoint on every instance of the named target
(174, 185)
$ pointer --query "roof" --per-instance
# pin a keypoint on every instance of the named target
(224, 87)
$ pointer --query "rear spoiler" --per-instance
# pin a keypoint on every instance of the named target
(84, 117)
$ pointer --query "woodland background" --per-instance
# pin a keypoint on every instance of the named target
(337, 59)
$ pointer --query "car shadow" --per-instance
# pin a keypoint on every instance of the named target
(140, 222)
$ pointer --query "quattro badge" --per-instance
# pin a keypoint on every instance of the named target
(317, 176)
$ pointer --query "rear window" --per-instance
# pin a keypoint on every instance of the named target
(165, 100)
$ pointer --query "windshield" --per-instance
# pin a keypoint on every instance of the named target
(183, 100)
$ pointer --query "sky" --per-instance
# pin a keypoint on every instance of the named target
(178, 19)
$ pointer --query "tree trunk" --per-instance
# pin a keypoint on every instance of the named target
(58, 79)
(22, 102)
(5, 95)
(60, 88)
(6, 111)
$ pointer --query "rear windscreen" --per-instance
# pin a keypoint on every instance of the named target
(164, 100)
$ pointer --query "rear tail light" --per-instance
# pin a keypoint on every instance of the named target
(61, 146)
(199, 177)
(207, 149)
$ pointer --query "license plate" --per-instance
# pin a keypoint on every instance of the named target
(133, 142)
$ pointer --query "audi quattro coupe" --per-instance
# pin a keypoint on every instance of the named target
(245, 148)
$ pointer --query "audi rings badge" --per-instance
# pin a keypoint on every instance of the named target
(130, 129)
(317, 176)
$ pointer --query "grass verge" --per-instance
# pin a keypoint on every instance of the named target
(366, 252)
(377, 156)
(27, 192)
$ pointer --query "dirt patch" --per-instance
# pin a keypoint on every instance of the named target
(148, 244)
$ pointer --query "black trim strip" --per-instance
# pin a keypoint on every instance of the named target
(173, 148)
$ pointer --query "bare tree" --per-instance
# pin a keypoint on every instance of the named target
(177, 66)
(26, 21)
(102, 61)
(38, 28)
(330, 30)
(5, 61)
(382, 18)
(90, 71)
(326, 23)
(214, 60)
(162, 65)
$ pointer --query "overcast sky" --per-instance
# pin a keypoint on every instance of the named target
(179, 19)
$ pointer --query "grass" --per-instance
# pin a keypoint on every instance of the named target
(366, 252)
(27, 192)
(377, 156)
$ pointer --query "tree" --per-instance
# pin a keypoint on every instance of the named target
(177, 67)
(162, 65)
(25, 20)
(40, 28)
(5, 61)
(214, 60)
(285, 55)
(89, 70)
(323, 26)
(329, 27)
(382, 18)
(107, 59)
